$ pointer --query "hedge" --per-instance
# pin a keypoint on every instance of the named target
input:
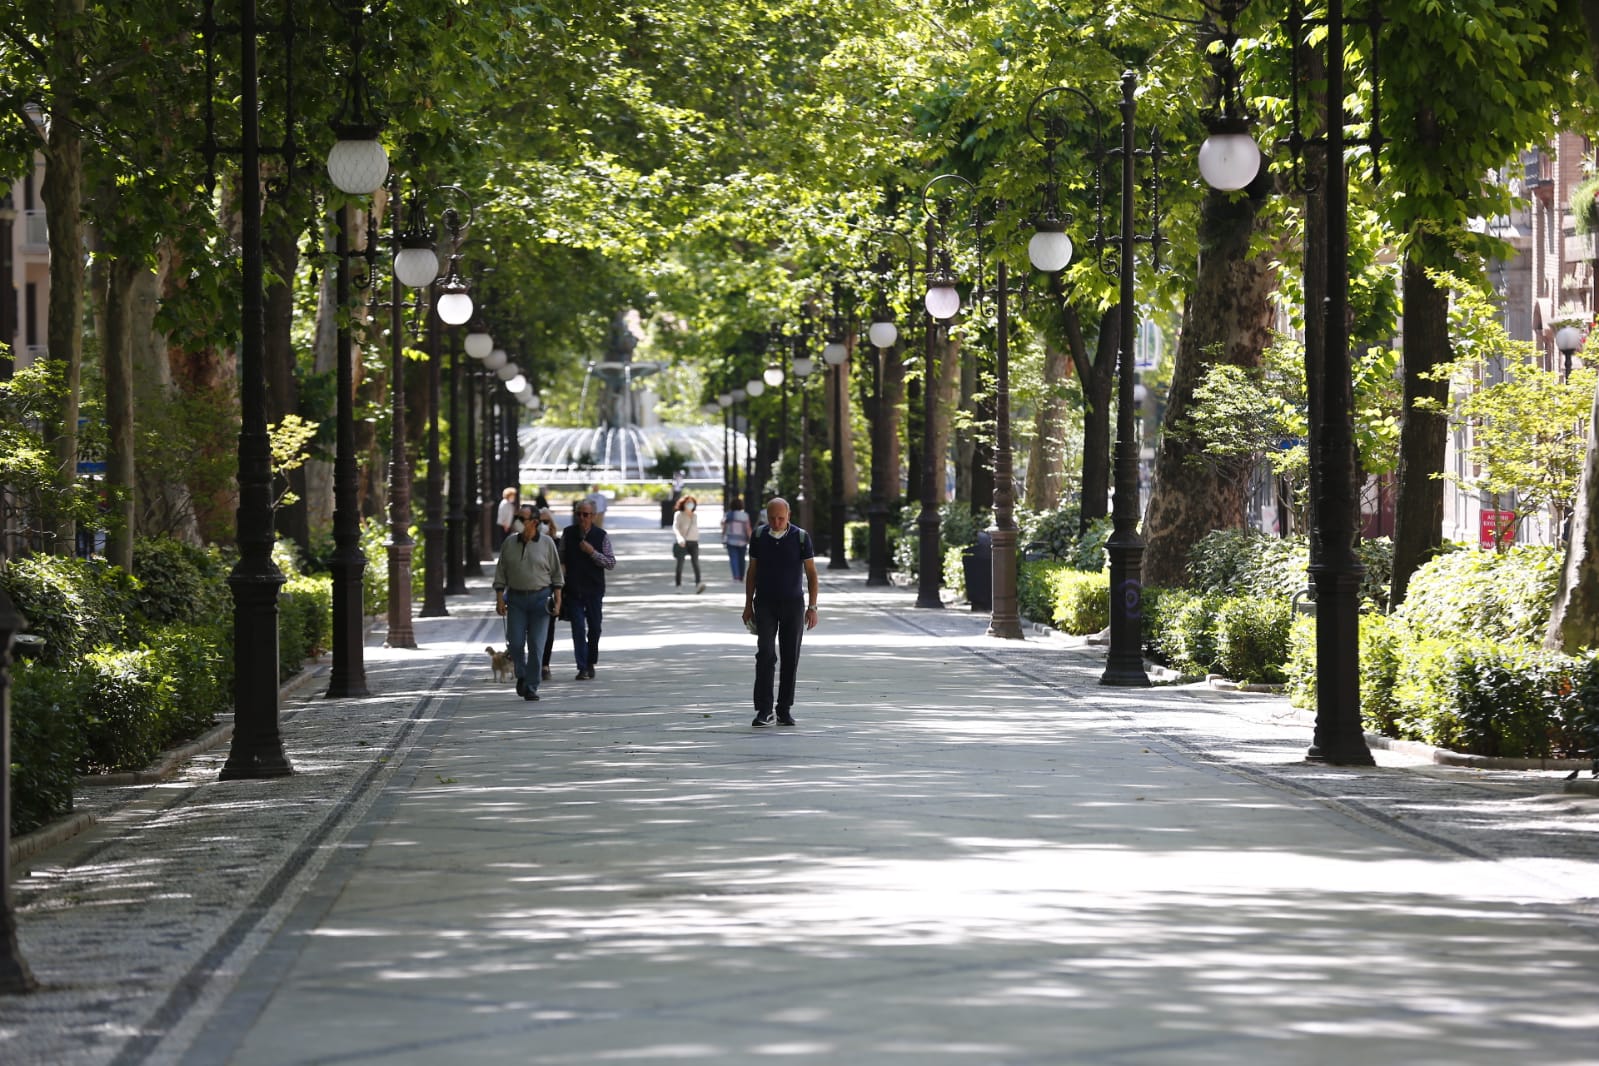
(1060, 595)
(1472, 695)
(130, 666)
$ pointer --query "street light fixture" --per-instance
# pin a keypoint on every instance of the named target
(836, 355)
(1124, 663)
(804, 367)
(1568, 339)
(1335, 569)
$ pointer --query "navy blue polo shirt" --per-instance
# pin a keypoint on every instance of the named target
(781, 573)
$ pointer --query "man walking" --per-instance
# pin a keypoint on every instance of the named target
(586, 553)
(527, 580)
(780, 598)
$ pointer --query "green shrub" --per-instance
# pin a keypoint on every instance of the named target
(1377, 556)
(1299, 673)
(198, 660)
(1488, 595)
(858, 539)
(1034, 597)
(1184, 626)
(1585, 713)
(1049, 534)
(954, 570)
(125, 701)
(73, 604)
(1080, 601)
(375, 577)
(1238, 562)
(1252, 638)
(1489, 698)
(1090, 551)
(1382, 650)
(957, 526)
(305, 622)
(46, 743)
(178, 582)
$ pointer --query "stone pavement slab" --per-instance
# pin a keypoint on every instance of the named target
(967, 851)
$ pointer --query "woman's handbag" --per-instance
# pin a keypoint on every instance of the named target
(678, 552)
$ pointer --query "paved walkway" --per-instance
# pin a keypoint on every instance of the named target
(967, 852)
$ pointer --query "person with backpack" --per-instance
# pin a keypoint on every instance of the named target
(780, 601)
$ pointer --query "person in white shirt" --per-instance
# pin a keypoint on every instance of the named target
(686, 530)
(506, 516)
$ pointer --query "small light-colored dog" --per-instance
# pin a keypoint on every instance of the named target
(500, 663)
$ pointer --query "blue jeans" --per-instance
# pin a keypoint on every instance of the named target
(585, 610)
(527, 620)
(735, 558)
(779, 629)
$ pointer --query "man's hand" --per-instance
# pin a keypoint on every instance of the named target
(810, 618)
(499, 605)
(749, 613)
(588, 549)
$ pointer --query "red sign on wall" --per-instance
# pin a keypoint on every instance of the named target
(1496, 529)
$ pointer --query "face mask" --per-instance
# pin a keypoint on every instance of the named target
(776, 534)
(689, 507)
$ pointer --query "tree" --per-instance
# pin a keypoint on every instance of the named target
(1465, 85)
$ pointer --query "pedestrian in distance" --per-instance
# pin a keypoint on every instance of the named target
(599, 501)
(686, 531)
(736, 535)
(780, 600)
(527, 577)
(585, 555)
(505, 518)
(678, 480)
(548, 528)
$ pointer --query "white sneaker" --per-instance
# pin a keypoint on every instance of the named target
(701, 588)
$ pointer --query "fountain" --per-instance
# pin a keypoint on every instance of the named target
(625, 443)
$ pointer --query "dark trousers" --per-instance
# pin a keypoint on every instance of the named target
(585, 610)
(779, 627)
(527, 619)
(735, 559)
(689, 549)
(549, 643)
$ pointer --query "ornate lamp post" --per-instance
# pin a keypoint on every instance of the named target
(1050, 250)
(478, 344)
(452, 308)
(257, 747)
(835, 354)
(1335, 569)
(724, 400)
(804, 367)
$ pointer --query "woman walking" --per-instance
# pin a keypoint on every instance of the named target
(547, 528)
(686, 530)
(736, 535)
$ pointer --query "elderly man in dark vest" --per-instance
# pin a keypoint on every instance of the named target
(586, 554)
(780, 600)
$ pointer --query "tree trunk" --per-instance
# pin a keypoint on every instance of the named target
(1046, 462)
(117, 360)
(1574, 621)
(894, 404)
(62, 192)
(1228, 320)
(966, 437)
(281, 247)
(1423, 435)
(1099, 396)
(319, 472)
(161, 506)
